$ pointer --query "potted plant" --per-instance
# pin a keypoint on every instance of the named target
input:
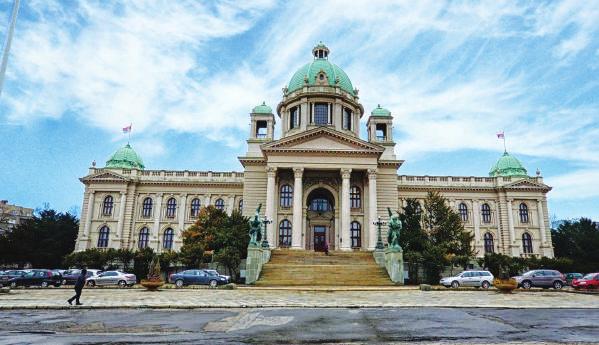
(154, 280)
(500, 266)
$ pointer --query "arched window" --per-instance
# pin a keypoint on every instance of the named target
(107, 206)
(171, 208)
(355, 234)
(523, 213)
(167, 240)
(486, 213)
(103, 237)
(320, 205)
(527, 243)
(196, 204)
(220, 204)
(286, 195)
(463, 209)
(489, 246)
(147, 208)
(240, 205)
(285, 233)
(355, 197)
(144, 238)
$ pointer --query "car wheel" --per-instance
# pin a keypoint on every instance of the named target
(64, 282)
(526, 284)
(44, 284)
(122, 283)
(558, 285)
(485, 285)
(213, 283)
(91, 283)
(455, 284)
(179, 283)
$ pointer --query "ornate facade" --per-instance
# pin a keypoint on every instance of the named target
(319, 182)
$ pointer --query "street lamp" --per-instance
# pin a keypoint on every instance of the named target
(265, 221)
(379, 242)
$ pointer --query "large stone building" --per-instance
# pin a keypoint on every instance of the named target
(12, 215)
(319, 182)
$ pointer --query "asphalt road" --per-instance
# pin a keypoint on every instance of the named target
(300, 326)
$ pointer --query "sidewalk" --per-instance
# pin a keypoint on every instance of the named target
(270, 298)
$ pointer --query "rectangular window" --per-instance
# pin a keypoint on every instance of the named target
(261, 129)
(347, 119)
(294, 117)
(321, 114)
(381, 132)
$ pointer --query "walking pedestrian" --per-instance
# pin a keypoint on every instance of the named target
(78, 287)
(326, 247)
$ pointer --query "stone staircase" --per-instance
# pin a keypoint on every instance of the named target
(309, 268)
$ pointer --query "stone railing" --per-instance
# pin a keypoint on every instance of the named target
(256, 258)
(177, 175)
(459, 181)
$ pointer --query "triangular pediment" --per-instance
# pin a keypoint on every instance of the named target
(104, 176)
(323, 140)
(527, 184)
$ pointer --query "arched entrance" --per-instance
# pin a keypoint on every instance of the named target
(320, 219)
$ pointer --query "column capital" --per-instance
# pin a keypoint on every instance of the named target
(123, 193)
(271, 171)
(372, 174)
(92, 192)
(159, 195)
(298, 172)
(345, 173)
(510, 200)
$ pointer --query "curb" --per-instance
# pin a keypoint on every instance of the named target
(273, 306)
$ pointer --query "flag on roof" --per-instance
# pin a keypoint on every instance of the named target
(500, 135)
(127, 129)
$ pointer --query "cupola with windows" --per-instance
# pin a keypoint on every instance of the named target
(262, 128)
(320, 94)
(380, 130)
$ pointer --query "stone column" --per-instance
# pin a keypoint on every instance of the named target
(510, 222)
(90, 213)
(230, 204)
(157, 216)
(119, 226)
(296, 234)
(372, 209)
(271, 173)
(345, 209)
(182, 212)
(541, 221)
(476, 221)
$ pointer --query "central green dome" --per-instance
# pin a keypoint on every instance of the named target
(308, 73)
(125, 158)
(509, 166)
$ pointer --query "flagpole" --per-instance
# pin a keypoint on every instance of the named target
(504, 147)
(11, 30)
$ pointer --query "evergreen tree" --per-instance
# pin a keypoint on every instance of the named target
(578, 240)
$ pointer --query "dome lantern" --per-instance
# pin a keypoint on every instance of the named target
(320, 51)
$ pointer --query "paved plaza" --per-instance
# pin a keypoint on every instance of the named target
(282, 298)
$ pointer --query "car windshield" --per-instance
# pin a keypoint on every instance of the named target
(529, 273)
(211, 273)
(589, 276)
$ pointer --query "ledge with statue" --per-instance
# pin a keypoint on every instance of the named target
(258, 248)
(391, 257)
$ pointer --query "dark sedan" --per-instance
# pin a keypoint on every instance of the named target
(69, 277)
(42, 278)
(198, 277)
(8, 275)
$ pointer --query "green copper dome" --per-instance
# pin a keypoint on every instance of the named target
(262, 109)
(309, 73)
(380, 111)
(125, 158)
(508, 165)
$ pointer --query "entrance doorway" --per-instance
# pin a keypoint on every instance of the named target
(320, 235)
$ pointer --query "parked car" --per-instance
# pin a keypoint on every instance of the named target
(7, 275)
(482, 279)
(70, 276)
(571, 276)
(589, 281)
(112, 278)
(42, 278)
(198, 277)
(541, 278)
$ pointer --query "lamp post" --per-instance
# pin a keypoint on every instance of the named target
(379, 242)
(265, 221)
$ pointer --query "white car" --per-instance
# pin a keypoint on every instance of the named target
(482, 279)
(112, 278)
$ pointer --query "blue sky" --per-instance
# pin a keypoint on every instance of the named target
(186, 74)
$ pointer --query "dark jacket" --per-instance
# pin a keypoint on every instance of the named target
(80, 282)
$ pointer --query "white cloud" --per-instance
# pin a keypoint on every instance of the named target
(575, 185)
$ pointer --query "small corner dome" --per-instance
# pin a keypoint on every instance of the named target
(380, 111)
(508, 166)
(308, 73)
(125, 158)
(262, 109)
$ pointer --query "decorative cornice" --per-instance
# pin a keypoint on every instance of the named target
(251, 161)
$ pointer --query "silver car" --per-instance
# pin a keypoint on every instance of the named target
(482, 279)
(112, 278)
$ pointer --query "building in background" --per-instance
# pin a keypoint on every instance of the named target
(320, 182)
(12, 215)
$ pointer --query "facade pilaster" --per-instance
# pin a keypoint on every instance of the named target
(476, 221)
(157, 216)
(345, 209)
(182, 213)
(510, 223)
(296, 234)
(541, 222)
(372, 209)
(207, 200)
(90, 213)
(230, 204)
(119, 226)
(271, 174)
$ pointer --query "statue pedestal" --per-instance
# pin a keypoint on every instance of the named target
(394, 265)
(256, 258)
(379, 257)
